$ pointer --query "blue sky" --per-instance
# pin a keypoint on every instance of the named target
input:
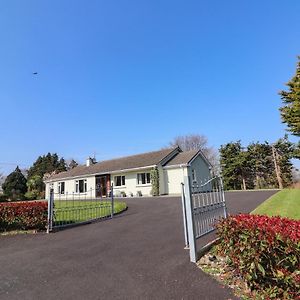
(122, 77)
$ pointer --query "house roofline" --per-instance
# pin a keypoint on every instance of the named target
(99, 173)
(203, 156)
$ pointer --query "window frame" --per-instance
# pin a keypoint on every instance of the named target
(77, 186)
(145, 176)
(61, 187)
(122, 180)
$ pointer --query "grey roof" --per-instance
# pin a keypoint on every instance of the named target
(123, 163)
(182, 158)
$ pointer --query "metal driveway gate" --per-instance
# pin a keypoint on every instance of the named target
(78, 208)
(203, 204)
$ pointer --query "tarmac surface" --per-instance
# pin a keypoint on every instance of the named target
(137, 255)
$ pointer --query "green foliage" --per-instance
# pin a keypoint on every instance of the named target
(290, 111)
(154, 176)
(253, 166)
(264, 251)
(261, 161)
(44, 164)
(286, 151)
(33, 195)
(235, 165)
(14, 185)
(3, 198)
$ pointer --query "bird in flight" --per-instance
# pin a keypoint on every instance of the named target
(35, 73)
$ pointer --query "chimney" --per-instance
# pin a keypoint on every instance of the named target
(89, 161)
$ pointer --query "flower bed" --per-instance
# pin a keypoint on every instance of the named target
(23, 215)
(264, 251)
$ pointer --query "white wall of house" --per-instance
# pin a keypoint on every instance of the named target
(173, 177)
(170, 179)
(70, 188)
(131, 184)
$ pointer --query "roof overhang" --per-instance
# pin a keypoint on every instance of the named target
(99, 173)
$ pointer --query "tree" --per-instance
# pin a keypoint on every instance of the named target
(15, 185)
(284, 152)
(230, 156)
(290, 111)
(45, 164)
(260, 159)
(260, 165)
(197, 142)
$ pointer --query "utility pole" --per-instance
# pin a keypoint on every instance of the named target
(277, 167)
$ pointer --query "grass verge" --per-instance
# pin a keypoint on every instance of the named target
(286, 203)
(67, 212)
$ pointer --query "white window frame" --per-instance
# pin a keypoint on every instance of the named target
(77, 186)
(122, 177)
(59, 188)
(139, 178)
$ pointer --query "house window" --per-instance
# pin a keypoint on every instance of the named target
(194, 175)
(119, 180)
(61, 187)
(143, 178)
(80, 186)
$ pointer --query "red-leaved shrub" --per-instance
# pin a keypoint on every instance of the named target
(23, 215)
(265, 251)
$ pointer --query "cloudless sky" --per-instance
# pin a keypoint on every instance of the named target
(122, 77)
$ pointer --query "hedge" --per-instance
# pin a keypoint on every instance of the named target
(265, 251)
(23, 215)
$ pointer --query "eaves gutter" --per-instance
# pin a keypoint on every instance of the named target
(175, 166)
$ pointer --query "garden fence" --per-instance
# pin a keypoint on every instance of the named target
(78, 208)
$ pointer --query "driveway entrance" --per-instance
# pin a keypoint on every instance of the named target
(138, 255)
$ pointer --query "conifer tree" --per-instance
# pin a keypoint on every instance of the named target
(14, 185)
(290, 111)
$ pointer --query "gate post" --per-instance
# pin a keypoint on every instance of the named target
(50, 211)
(112, 200)
(186, 238)
(190, 220)
(223, 197)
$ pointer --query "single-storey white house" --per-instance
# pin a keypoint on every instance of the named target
(130, 175)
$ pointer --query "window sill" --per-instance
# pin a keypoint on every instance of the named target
(144, 185)
(119, 187)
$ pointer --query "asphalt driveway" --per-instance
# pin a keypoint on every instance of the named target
(137, 255)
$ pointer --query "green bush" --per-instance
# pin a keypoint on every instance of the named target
(265, 251)
(3, 198)
(154, 176)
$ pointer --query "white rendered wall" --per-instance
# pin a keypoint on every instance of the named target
(131, 184)
(173, 178)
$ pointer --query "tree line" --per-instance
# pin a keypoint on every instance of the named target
(258, 165)
(29, 184)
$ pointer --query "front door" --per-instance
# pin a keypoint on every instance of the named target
(101, 185)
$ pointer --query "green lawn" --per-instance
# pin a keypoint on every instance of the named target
(70, 212)
(286, 203)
